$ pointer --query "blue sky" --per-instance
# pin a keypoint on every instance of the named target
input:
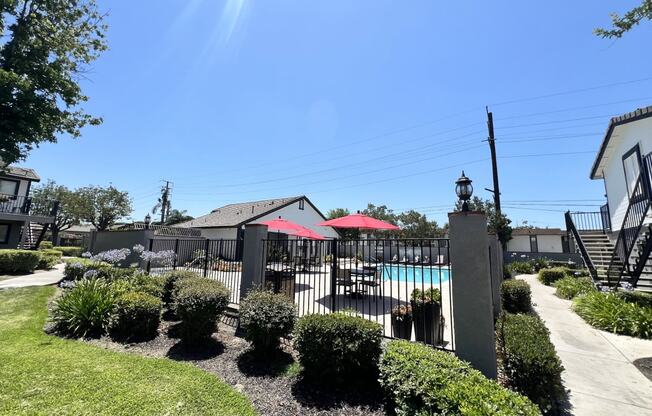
(350, 102)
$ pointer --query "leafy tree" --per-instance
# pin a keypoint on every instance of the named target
(45, 50)
(415, 225)
(176, 216)
(103, 206)
(498, 224)
(68, 214)
(346, 233)
(624, 23)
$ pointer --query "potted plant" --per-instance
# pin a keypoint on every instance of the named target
(402, 321)
(426, 310)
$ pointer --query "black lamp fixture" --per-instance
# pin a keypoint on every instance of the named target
(464, 190)
(148, 220)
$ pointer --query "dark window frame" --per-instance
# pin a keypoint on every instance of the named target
(5, 240)
(636, 149)
(302, 204)
(16, 185)
(534, 248)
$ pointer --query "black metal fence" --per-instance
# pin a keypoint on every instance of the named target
(215, 259)
(378, 279)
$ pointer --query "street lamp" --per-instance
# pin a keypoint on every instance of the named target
(148, 219)
(464, 190)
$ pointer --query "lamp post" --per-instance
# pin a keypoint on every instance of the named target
(464, 190)
(148, 219)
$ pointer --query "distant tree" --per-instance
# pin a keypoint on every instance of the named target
(624, 23)
(383, 213)
(103, 206)
(176, 216)
(346, 233)
(415, 225)
(498, 224)
(45, 49)
(68, 214)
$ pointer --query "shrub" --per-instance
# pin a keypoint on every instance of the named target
(76, 267)
(639, 298)
(521, 267)
(569, 287)
(516, 296)
(610, 312)
(550, 276)
(170, 280)
(419, 380)
(266, 317)
(199, 303)
(48, 259)
(332, 347)
(530, 362)
(70, 251)
(135, 316)
(45, 245)
(540, 263)
(84, 310)
(18, 261)
(507, 273)
(152, 285)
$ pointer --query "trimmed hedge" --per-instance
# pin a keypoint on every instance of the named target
(70, 251)
(199, 303)
(419, 380)
(170, 281)
(530, 362)
(19, 261)
(550, 276)
(516, 296)
(83, 310)
(570, 287)
(611, 312)
(48, 259)
(521, 267)
(135, 316)
(266, 317)
(45, 245)
(338, 347)
(639, 298)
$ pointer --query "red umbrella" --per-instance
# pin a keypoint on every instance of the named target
(308, 233)
(358, 221)
(292, 228)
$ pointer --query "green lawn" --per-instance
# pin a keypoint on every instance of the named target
(41, 374)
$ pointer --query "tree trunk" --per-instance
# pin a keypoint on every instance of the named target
(55, 236)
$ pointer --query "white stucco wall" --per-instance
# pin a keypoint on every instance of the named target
(545, 243)
(519, 243)
(307, 217)
(622, 140)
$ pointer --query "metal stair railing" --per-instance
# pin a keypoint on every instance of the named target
(570, 227)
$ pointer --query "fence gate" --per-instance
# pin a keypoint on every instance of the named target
(369, 278)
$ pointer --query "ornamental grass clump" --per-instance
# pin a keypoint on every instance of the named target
(611, 312)
(570, 287)
(266, 318)
(199, 303)
(530, 362)
(135, 316)
(420, 380)
(516, 296)
(338, 348)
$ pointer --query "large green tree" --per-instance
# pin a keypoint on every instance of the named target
(68, 213)
(102, 207)
(623, 24)
(46, 47)
(176, 216)
(416, 225)
(498, 224)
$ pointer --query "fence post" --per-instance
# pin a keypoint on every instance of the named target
(176, 254)
(150, 246)
(334, 264)
(206, 256)
(472, 291)
(253, 267)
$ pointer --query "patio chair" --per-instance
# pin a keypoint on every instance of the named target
(343, 278)
(375, 282)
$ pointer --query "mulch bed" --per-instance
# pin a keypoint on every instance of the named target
(273, 384)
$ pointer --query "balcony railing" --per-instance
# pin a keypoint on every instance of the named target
(14, 204)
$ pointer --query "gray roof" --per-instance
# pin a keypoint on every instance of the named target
(234, 215)
(22, 173)
(635, 115)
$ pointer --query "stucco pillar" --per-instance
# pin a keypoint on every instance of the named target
(472, 291)
(252, 260)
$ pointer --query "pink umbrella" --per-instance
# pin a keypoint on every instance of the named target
(358, 221)
(292, 228)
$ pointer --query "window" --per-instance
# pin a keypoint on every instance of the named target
(7, 186)
(4, 233)
(534, 245)
(302, 204)
(632, 167)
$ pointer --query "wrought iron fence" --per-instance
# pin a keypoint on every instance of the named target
(215, 259)
(376, 279)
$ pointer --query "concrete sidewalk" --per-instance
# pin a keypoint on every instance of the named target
(598, 365)
(38, 278)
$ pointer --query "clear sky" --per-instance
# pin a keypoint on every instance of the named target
(350, 102)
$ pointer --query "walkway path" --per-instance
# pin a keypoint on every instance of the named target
(598, 365)
(38, 278)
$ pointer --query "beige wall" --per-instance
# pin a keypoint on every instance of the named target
(545, 243)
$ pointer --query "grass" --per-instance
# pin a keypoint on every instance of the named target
(42, 374)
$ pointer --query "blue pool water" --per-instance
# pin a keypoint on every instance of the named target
(415, 274)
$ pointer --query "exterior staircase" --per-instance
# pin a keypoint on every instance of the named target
(599, 249)
(31, 236)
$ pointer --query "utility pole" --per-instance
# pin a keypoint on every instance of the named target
(165, 201)
(494, 163)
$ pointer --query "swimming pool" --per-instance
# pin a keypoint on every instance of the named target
(428, 275)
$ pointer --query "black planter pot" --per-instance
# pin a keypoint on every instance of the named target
(402, 328)
(427, 319)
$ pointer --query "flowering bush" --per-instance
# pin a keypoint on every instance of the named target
(159, 258)
(112, 256)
